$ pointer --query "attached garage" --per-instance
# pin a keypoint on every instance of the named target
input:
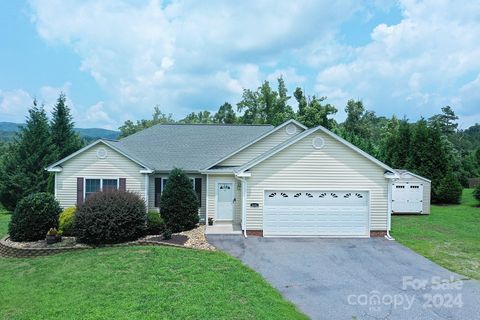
(410, 193)
(326, 213)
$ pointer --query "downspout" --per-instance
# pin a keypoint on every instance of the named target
(147, 182)
(244, 209)
(389, 208)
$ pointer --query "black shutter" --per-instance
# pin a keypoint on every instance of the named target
(79, 191)
(158, 191)
(198, 190)
(122, 184)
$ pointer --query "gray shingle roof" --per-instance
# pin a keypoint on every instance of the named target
(188, 146)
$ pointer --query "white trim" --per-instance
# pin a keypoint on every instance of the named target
(258, 139)
(55, 169)
(101, 183)
(206, 202)
(51, 167)
(304, 134)
(389, 206)
(55, 182)
(218, 172)
(244, 174)
(216, 199)
(147, 185)
(322, 190)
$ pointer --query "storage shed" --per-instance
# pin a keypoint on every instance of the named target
(410, 193)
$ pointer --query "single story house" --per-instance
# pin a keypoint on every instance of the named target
(272, 181)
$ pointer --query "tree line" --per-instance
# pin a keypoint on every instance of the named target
(433, 147)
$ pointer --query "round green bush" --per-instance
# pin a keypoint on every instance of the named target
(34, 215)
(65, 222)
(179, 203)
(154, 222)
(110, 217)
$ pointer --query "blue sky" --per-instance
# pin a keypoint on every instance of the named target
(116, 60)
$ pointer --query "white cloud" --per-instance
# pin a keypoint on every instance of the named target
(14, 103)
(413, 67)
(187, 55)
(170, 53)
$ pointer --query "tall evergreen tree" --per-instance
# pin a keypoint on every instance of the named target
(23, 171)
(65, 140)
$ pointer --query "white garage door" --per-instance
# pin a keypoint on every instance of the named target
(316, 213)
(407, 197)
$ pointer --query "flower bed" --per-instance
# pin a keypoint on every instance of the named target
(194, 239)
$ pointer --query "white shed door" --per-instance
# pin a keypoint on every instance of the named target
(407, 197)
(316, 213)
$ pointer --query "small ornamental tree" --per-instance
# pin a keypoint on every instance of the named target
(179, 204)
(34, 215)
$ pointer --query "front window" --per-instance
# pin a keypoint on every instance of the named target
(95, 185)
(109, 184)
(92, 186)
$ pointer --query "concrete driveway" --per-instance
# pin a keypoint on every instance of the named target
(356, 278)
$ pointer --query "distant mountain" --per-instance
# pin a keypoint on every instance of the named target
(8, 130)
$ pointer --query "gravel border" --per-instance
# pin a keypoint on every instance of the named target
(196, 240)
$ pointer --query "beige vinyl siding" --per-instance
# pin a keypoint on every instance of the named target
(259, 147)
(427, 189)
(212, 199)
(88, 165)
(334, 167)
(151, 192)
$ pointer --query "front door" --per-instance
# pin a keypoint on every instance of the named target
(225, 201)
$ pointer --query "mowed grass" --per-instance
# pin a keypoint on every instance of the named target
(449, 236)
(4, 220)
(136, 283)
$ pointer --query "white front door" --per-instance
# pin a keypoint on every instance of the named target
(225, 201)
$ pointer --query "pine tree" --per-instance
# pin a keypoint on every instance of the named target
(64, 139)
(23, 171)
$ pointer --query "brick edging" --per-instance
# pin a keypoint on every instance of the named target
(8, 251)
(378, 233)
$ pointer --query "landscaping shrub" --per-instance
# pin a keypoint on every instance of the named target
(65, 222)
(179, 204)
(110, 217)
(476, 192)
(154, 222)
(449, 190)
(34, 215)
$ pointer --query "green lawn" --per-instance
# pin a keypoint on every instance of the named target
(449, 236)
(136, 283)
(4, 219)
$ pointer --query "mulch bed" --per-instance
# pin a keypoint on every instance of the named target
(177, 239)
